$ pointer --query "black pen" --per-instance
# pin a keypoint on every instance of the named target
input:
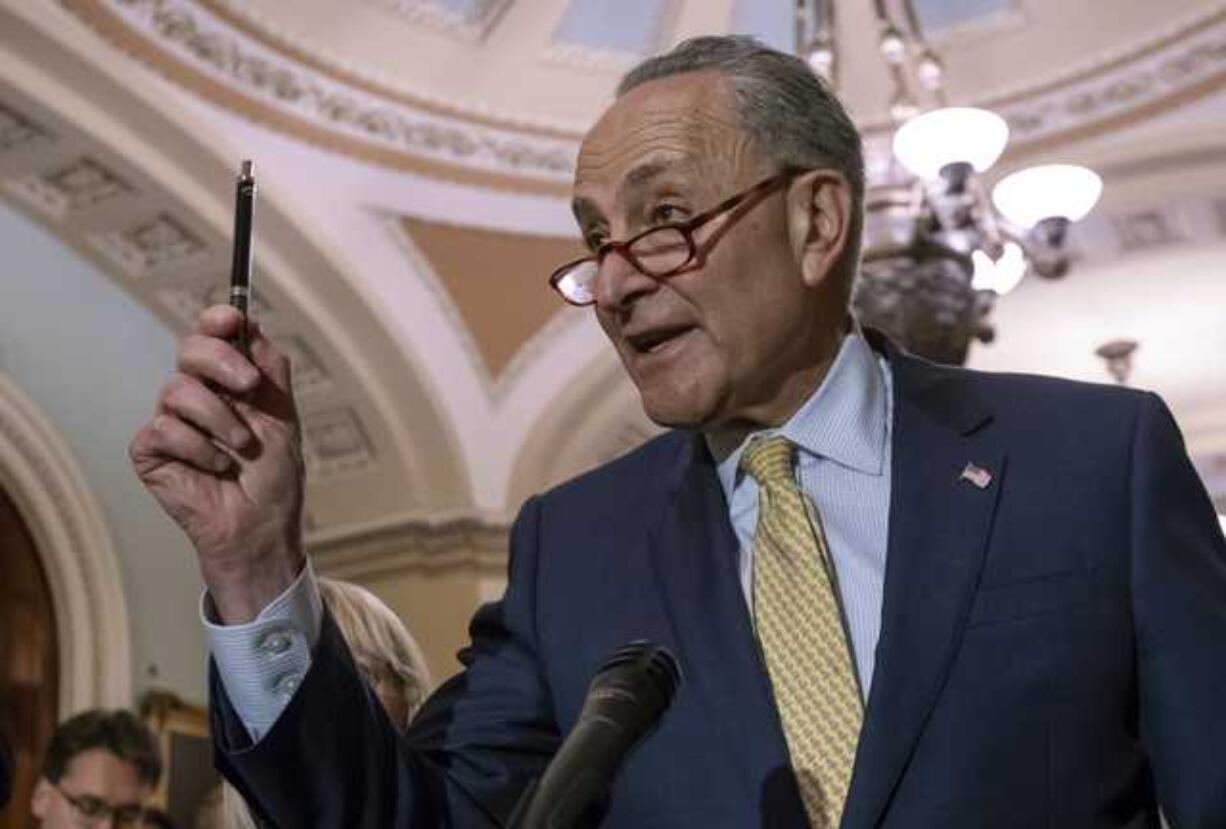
(240, 268)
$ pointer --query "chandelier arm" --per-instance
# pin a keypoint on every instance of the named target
(921, 45)
(802, 27)
(989, 223)
(826, 31)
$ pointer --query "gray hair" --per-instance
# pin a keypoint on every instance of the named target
(791, 114)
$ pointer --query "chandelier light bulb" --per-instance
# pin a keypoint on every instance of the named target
(1048, 191)
(928, 142)
(929, 71)
(1001, 276)
(821, 59)
(893, 48)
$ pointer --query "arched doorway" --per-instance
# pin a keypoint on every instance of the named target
(29, 658)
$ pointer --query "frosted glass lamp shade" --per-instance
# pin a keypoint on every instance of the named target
(1002, 275)
(934, 139)
(1049, 191)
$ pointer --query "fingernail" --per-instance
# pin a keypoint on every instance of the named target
(239, 437)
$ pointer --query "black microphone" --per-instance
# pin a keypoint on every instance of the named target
(628, 695)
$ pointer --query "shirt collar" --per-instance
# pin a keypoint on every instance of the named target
(843, 421)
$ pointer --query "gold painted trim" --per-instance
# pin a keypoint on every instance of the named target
(1092, 129)
(1078, 76)
(113, 28)
(119, 34)
(272, 40)
(1141, 52)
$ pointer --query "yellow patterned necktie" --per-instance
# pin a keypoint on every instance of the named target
(800, 630)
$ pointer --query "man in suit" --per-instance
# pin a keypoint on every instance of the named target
(902, 595)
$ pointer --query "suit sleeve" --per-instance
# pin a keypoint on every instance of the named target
(333, 758)
(1179, 605)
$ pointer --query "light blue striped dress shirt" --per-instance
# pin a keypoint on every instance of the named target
(842, 435)
(843, 464)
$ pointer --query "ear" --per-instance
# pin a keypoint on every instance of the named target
(819, 222)
(40, 800)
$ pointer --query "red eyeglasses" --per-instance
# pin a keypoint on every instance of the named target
(658, 252)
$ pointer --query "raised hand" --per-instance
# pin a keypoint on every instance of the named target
(223, 457)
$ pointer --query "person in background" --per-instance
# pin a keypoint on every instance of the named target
(386, 654)
(388, 658)
(101, 766)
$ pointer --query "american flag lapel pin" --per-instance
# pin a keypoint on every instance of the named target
(977, 475)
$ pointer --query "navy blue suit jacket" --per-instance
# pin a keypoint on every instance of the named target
(1052, 652)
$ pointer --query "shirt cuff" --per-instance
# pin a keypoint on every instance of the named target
(262, 663)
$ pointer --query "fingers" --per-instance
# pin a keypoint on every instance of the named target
(220, 321)
(217, 361)
(271, 362)
(189, 400)
(168, 439)
(211, 355)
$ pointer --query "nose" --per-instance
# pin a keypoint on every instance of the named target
(619, 283)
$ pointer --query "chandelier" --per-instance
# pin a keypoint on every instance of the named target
(937, 250)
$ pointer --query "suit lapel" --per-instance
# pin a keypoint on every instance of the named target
(939, 526)
(695, 553)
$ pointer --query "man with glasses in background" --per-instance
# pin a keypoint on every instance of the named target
(902, 595)
(99, 769)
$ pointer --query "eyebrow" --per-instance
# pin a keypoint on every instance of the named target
(638, 177)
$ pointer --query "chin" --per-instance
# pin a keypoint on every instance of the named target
(679, 407)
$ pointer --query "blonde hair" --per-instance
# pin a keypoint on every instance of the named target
(378, 640)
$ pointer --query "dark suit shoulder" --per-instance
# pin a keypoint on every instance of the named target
(1011, 395)
(642, 471)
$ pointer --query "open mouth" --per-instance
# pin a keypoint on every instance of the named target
(656, 340)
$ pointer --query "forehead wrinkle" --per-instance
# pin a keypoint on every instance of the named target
(700, 131)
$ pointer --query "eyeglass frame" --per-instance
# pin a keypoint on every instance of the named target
(687, 229)
(77, 801)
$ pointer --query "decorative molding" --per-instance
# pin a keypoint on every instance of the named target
(412, 545)
(335, 443)
(80, 185)
(17, 130)
(77, 552)
(251, 22)
(1183, 61)
(1196, 59)
(152, 245)
(1144, 230)
(471, 27)
(188, 34)
(241, 60)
